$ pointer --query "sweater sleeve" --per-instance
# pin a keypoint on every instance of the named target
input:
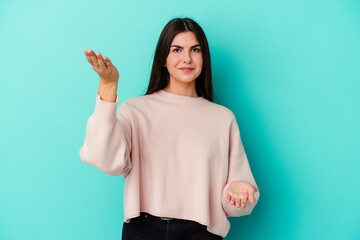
(238, 170)
(107, 144)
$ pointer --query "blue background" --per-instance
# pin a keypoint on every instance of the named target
(289, 70)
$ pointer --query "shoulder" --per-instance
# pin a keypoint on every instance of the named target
(134, 103)
(222, 110)
(137, 101)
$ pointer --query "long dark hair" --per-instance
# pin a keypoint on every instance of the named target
(159, 77)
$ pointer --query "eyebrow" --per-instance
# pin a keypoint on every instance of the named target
(182, 47)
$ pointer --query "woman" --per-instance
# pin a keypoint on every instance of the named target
(181, 154)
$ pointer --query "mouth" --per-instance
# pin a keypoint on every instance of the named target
(186, 69)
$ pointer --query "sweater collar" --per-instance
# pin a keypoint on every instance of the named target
(179, 98)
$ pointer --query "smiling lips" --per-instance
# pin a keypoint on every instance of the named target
(186, 69)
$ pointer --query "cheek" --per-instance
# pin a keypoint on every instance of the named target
(172, 61)
(198, 59)
(199, 63)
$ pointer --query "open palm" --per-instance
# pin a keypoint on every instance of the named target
(239, 192)
(103, 66)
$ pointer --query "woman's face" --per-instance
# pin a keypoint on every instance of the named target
(185, 52)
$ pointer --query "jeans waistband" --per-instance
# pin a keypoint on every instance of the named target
(145, 214)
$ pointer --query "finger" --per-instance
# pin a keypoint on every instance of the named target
(87, 56)
(93, 57)
(108, 62)
(232, 200)
(237, 202)
(251, 196)
(244, 198)
(243, 203)
(101, 61)
(228, 197)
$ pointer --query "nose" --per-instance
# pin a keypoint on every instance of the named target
(187, 57)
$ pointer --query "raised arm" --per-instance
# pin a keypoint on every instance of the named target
(107, 144)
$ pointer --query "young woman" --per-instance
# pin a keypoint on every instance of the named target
(181, 154)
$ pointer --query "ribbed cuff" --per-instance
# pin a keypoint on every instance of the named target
(105, 112)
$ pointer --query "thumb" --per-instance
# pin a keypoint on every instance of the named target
(251, 195)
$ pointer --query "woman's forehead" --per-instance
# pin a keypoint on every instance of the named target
(185, 39)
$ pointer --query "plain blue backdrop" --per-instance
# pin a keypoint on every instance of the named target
(289, 70)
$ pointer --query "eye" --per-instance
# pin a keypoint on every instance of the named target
(198, 50)
(176, 49)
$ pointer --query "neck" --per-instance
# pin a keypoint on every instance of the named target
(183, 91)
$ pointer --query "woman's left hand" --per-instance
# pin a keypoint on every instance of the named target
(238, 192)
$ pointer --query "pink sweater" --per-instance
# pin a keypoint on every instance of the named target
(177, 153)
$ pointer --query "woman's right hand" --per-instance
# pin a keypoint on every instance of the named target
(107, 71)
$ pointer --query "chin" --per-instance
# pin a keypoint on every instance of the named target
(187, 80)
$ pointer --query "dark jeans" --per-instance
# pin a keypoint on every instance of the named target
(149, 227)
